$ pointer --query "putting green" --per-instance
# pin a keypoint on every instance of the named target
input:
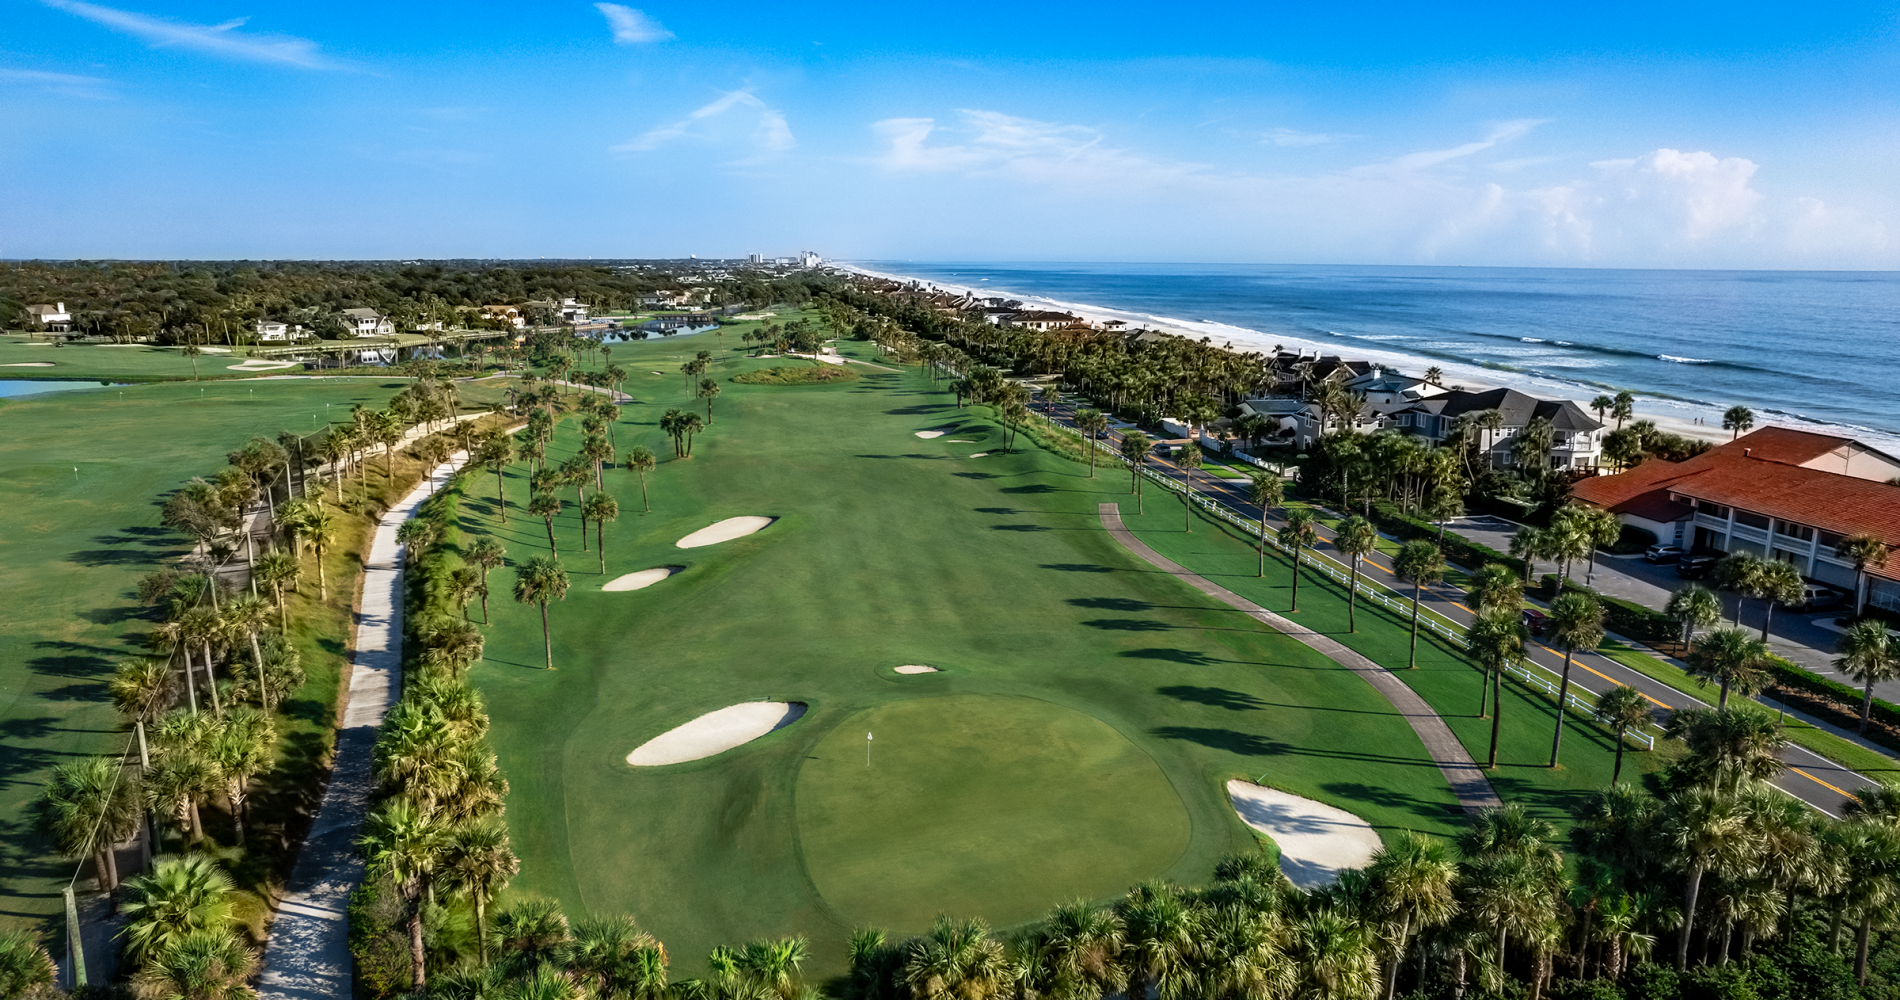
(985, 805)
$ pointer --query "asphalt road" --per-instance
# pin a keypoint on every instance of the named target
(1809, 777)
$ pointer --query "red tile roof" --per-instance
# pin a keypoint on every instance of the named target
(1745, 477)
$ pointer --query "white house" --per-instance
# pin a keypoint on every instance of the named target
(367, 323)
(1576, 438)
(53, 318)
(508, 314)
(270, 329)
(573, 311)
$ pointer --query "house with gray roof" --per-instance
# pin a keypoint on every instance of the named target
(1576, 440)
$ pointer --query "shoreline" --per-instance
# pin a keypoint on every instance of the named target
(1675, 416)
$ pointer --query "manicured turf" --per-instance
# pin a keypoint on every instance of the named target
(889, 550)
(74, 547)
(979, 804)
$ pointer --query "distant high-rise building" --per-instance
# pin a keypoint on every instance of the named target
(756, 258)
(812, 260)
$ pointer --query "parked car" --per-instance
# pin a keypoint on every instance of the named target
(1695, 567)
(1163, 449)
(1664, 553)
(1535, 620)
(1814, 597)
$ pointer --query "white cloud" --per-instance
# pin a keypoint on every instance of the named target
(1295, 137)
(1709, 195)
(215, 39)
(1431, 158)
(632, 27)
(90, 87)
(770, 136)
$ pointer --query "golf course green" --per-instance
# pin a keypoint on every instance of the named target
(979, 804)
(1103, 705)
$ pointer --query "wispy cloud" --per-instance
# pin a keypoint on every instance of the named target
(214, 39)
(632, 27)
(772, 135)
(1295, 137)
(1504, 132)
(89, 87)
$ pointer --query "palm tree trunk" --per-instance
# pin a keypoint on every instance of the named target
(416, 955)
(1767, 615)
(1860, 950)
(1617, 773)
(1497, 712)
(1398, 955)
(1866, 704)
(1411, 662)
(191, 684)
(211, 682)
(501, 495)
(550, 524)
(1563, 692)
(1296, 580)
(547, 638)
(1352, 598)
(583, 530)
(1689, 893)
(1722, 702)
(600, 544)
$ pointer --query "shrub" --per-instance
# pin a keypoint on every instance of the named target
(797, 375)
(379, 939)
(1625, 618)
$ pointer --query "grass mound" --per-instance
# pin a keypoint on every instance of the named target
(980, 804)
(798, 375)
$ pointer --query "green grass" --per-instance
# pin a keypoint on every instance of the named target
(1033, 805)
(74, 550)
(797, 375)
(888, 550)
(118, 363)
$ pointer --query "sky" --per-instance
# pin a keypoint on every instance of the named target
(1603, 134)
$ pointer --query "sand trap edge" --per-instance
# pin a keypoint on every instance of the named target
(726, 531)
(927, 435)
(1316, 841)
(916, 668)
(716, 732)
(641, 579)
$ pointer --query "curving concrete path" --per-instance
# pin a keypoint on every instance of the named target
(308, 955)
(1467, 780)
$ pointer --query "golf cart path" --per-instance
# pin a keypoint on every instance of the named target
(1467, 780)
(308, 954)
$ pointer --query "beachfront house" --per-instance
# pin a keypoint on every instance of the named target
(510, 315)
(278, 330)
(51, 318)
(367, 323)
(1777, 493)
(1041, 320)
(1576, 438)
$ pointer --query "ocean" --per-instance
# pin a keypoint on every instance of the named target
(1804, 348)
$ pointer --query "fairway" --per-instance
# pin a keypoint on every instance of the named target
(888, 550)
(979, 805)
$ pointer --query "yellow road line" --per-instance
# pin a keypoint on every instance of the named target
(1818, 781)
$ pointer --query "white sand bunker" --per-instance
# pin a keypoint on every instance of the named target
(981, 454)
(259, 365)
(916, 668)
(1316, 841)
(643, 579)
(961, 441)
(28, 364)
(927, 435)
(716, 732)
(725, 531)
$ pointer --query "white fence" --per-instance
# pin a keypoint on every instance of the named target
(1532, 674)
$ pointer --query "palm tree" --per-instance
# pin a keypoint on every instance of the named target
(1266, 492)
(1623, 708)
(404, 843)
(1092, 424)
(1728, 747)
(1694, 607)
(87, 807)
(465, 582)
(487, 554)
(479, 863)
(1495, 585)
(1334, 956)
(244, 746)
(1623, 407)
(1776, 582)
(1705, 829)
(191, 350)
(277, 568)
(546, 506)
(1602, 405)
(318, 529)
(1434, 375)
(1496, 639)
(596, 450)
(541, 581)
(1420, 562)
(1135, 447)
(140, 687)
(1868, 656)
(1414, 880)
(496, 454)
(180, 896)
(1732, 657)
(1298, 534)
(1528, 544)
(600, 509)
(956, 961)
(708, 391)
(689, 426)
(1160, 928)
(26, 970)
(1355, 538)
(1190, 463)
(614, 958)
(203, 626)
(248, 616)
(1576, 622)
(1863, 550)
(641, 460)
(1737, 420)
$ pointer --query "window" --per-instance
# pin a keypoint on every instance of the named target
(1800, 531)
(1831, 541)
(1751, 519)
(1711, 509)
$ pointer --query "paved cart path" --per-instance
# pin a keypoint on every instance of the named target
(1467, 780)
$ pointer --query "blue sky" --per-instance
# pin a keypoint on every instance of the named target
(1607, 135)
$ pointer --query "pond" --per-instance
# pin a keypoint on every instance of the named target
(27, 387)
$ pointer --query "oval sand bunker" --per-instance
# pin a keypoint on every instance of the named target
(724, 531)
(927, 435)
(716, 732)
(916, 668)
(643, 579)
(1317, 841)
